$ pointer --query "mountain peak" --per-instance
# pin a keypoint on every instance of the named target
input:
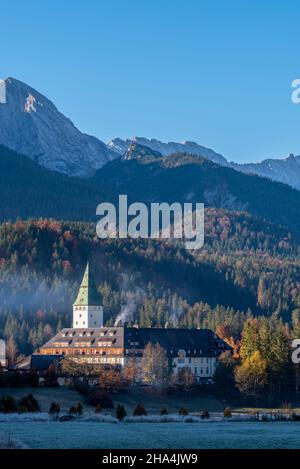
(32, 125)
(138, 151)
(165, 149)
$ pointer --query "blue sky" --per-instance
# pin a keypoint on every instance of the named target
(216, 72)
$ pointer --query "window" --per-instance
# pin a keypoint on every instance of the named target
(181, 357)
(104, 343)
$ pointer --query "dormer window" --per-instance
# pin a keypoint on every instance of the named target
(181, 357)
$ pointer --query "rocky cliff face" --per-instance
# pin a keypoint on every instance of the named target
(31, 125)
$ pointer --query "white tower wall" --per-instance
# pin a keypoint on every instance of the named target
(87, 316)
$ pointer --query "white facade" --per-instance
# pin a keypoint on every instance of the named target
(87, 316)
(200, 367)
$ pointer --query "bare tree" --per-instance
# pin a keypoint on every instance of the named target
(11, 351)
(155, 365)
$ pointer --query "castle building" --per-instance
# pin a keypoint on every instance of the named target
(89, 341)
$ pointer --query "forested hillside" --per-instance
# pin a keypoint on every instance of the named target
(185, 178)
(247, 267)
(29, 190)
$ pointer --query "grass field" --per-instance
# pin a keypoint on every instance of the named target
(80, 434)
(153, 401)
(64, 396)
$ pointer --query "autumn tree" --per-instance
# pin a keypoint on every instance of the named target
(272, 340)
(130, 371)
(252, 376)
(78, 372)
(110, 379)
(185, 378)
(154, 365)
(51, 376)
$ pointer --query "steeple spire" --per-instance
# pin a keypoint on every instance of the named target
(88, 294)
(88, 309)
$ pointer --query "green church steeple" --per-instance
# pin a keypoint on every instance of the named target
(88, 294)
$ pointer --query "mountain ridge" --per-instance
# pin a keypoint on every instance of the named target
(31, 125)
(29, 190)
(286, 170)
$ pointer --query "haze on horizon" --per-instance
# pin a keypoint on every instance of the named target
(185, 70)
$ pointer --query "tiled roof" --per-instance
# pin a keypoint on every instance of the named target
(94, 335)
(203, 341)
(42, 362)
(197, 341)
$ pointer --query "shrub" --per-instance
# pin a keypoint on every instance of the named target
(100, 397)
(73, 410)
(163, 411)
(30, 403)
(139, 410)
(54, 408)
(8, 404)
(183, 411)
(79, 408)
(205, 414)
(21, 409)
(121, 412)
(98, 409)
(227, 412)
(33, 378)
